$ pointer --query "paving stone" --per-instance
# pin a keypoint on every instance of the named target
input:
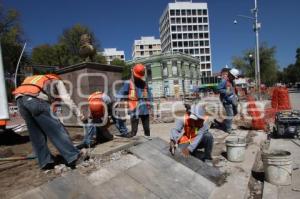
(211, 173)
(123, 186)
(111, 169)
(177, 171)
(117, 144)
(73, 186)
(162, 185)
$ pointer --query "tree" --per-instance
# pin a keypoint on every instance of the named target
(66, 51)
(291, 72)
(11, 37)
(268, 64)
(118, 62)
(100, 59)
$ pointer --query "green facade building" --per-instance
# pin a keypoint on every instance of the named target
(171, 74)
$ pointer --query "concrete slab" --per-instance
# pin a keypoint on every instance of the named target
(123, 186)
(270, 191)
(117, 144)
(210, 173)
(73, 185)
(177, 171)
(164, 186)
(111, 169)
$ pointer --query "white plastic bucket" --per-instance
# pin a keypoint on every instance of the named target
(236, 147)
(277, 167)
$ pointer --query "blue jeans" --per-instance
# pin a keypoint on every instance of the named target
(121, 126)
(90, 131)
(231, 111)
(41, 124)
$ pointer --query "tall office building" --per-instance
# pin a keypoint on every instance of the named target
(112, 53)
(184, 27)
(145, 47)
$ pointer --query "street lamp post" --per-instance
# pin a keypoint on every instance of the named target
(256, 28)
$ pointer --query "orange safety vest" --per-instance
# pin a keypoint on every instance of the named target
(133, 98)
(189, 133)
(33, 85)
(96, 105)
(2, 122)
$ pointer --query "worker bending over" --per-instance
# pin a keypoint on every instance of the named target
(34, 98)
(98, 121)
(195, 134)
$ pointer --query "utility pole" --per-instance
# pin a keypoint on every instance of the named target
(256, 28)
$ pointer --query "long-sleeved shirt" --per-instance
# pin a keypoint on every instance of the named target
(176, 134)
(226, 91)
(143, 108)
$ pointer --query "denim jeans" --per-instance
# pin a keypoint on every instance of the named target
(89, 133)
(121, 126)
(229, 116)
(41, 124)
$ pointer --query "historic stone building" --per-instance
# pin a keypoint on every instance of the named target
(171, 74)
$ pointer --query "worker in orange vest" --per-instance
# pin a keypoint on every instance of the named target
(195, 134)
(98, 121)
(34, 98)
(136, 92)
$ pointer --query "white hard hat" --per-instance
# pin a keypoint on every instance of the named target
(234, 72)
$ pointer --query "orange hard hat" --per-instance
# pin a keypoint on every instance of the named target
(97, 108)
(139, 71)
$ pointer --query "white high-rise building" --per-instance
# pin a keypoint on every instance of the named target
(184, 27)
(112, 53)
(145, 47)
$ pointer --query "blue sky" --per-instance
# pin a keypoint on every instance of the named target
(117, 23)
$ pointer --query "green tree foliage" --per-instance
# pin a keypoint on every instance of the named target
(12, 40)
(290, 74)
(66, 51)
(268, 64)
(118, 62)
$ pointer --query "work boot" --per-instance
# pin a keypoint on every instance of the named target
(172, 148)
(82, 156)
(48, 166)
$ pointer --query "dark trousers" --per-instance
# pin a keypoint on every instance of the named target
(206, 144)
(135, 123)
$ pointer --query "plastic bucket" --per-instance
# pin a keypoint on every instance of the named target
(277, 167)
(235, 148)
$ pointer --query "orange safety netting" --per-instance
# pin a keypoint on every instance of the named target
(280, 99)
(258, 122)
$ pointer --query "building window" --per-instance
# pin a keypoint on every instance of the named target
(202, 58)
(190, 35)
(209, 73)
(180, 44)
(185, 35)
(179, 36)
(199, 19)
(174, 68)
(199, 12)
(194, 12)
(207, 66)
(206, 28)
(184, 28)
(195, 28)
(189, 20)
(173, 28)
(177, 12)
(202, 66)
(204, 12)
(165, 69)
(122, 56)
(194, 19)
(188, 12)
(183, 12)
(191, 43)
(204, 19)
(179, 28)
(196, 51)
(174, 36)
(200, 28)
(185, 44)
(206, 43)
(178, 20)
(172, 20)
(183, 20)
(207, 58)
(206, 35)
(201, 35)
(174, 44)
(190, 28)
(150, 46)
(207, 50)
(172, 12)
(196, 43)
(191, 51)
(142, 53)
(141, 47)
(201, 43)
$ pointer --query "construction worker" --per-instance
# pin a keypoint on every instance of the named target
(195, 135)
(34, 98)
(139, 98)
(98, 121)
(228, 96)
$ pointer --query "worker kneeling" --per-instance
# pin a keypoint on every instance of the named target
(98, 122)
(195, 136)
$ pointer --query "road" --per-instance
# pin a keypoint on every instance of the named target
(295, 99)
